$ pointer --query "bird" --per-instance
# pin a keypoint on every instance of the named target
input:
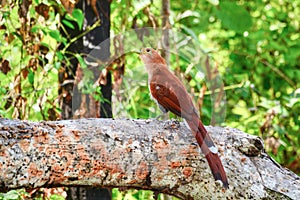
(170, 95)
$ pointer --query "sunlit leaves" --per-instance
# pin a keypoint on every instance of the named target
(81, 61)
(68, 24)
(55, 34)
(31, 77)
(234, 17)
(76, 17)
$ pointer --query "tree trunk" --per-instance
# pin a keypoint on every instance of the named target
(143, 154)
(75, 104)
(166, 26)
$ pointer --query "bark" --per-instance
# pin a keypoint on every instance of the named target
(143, 154)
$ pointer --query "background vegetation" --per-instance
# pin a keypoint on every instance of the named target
(254, 46)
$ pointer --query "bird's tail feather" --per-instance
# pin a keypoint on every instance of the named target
(216, 167)
(209, 149)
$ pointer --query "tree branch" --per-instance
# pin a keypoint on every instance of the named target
(144, 154)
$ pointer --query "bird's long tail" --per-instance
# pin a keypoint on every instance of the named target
(209, 149)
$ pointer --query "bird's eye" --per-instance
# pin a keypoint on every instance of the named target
(148, 50)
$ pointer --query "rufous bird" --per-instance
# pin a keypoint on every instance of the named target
(170, 94)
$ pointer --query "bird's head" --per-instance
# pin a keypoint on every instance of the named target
(151, 56)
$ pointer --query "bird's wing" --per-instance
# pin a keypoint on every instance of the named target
(178, 103)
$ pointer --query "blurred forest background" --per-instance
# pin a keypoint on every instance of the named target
(254, 46)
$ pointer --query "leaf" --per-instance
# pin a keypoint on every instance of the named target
(56, 197)
(55, 34)
(234, 17)
(59, 55)
(214, 2)
(57, 65)
(5, 14)
(139, 5)
(189, 32)
(35, 28)
(13, 194)
(68, 24)
(293, 55)
(31, 77)
(78, 15)
(188, 13)
(81, 61)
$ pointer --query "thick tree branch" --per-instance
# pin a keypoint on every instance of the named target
(145, 154)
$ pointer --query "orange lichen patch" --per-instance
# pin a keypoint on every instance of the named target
(132, 181)
(105, 161)
(51, 150)
(76, 134)
(97, 167)
(162, 147)
(24, 145)
(58, 132)
(142, 171)
(60, 125)
(130, 141)
(66, 136)
(64, 139)
(121, 175)
(3, 152)
(33, 171)
(111, 159)
(128, 146)
(57, 175)
(243, 159)
(160, 144)
(187, 171)
(57, 168)
(191, 151)
(40, 148)
(128, 149)
(81, 150)
(40, 137)
(115, 168)
(175, 164)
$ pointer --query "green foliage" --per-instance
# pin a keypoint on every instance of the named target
(22, 194)
(135, 195)
(30, 58)
(261, 59)
(234, 17)
(56, 197)
(11, 195)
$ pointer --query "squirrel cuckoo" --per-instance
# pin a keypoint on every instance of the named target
(169, 93)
